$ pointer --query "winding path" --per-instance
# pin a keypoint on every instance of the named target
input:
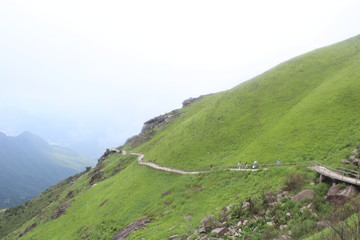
(174, 170)
(339, 175)
(166, 169)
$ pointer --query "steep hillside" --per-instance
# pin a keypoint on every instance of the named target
(301, 110)
(29, 165)
(118, 192)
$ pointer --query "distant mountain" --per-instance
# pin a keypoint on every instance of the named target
(29, 165)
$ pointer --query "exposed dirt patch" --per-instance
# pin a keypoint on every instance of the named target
(124, 233)
(103, 203)
(196, 188)
(165, 194)
(167, 203)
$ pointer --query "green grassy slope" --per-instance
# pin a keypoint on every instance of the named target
(303, 109)
(138, 192)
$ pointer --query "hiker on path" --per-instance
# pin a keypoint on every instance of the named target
(255, 165)
(278, 162)
(239, 165)
(246, 165)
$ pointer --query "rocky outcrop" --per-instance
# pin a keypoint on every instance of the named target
(219, 232)
(124, 233)
(345, 161)
(157, 123)
(354, 158)
(110, 151)
(151, 127)
(61, 209)
(189, 101)
(271, 211)
(28, 229)
(303, 195)
(339, 196)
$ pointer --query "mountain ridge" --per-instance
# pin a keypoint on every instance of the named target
(29, 165)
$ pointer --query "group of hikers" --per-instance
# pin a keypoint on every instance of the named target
(254, 166)
(246, 166)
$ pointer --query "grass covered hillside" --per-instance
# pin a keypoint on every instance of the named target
(303, 109)
(97, 206)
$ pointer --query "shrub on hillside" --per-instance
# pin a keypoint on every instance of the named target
(294, 181)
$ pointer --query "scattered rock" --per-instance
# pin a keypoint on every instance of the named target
(187, 218)
(282, 227)
(270, 223)
(333, 190)
(165, 194)
(283, 237)
(70, 194)
(323, 223)
(349, 192)
(232, 230)
(60, 210)
(270, 197)
(311, 206)
(124, 233)
(246, 204)
(356, 162)
(345, 161)
(339, 196)
(206, 220)
(337, 199)
(303, 195)
(204, 238)
(173, 236)
(219, 232)
(202, 229)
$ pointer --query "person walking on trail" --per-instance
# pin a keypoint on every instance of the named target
(278, 162)
(239, 165)
(246, 165)
(255, 165)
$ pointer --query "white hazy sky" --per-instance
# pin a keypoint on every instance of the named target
(78, 71)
